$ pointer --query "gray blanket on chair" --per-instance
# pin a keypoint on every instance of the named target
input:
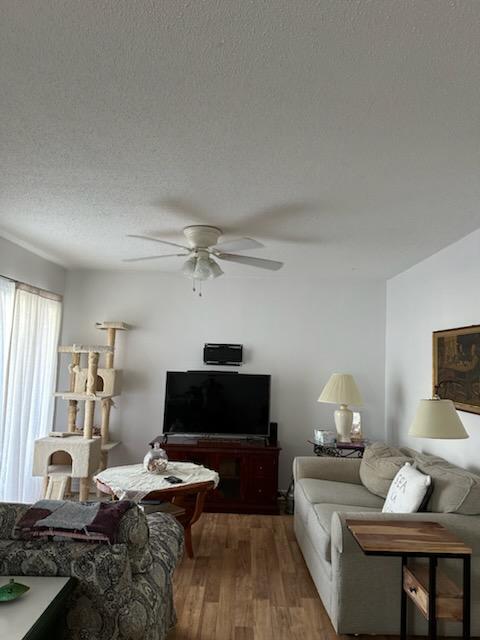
(87, 521)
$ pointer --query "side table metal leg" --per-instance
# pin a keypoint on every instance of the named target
(403, 604)
(466, 598)
(432, 599)
(290, 498)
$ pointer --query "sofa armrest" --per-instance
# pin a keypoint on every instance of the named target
(337, 469)
(467, 528)
(10, 514)
(166, 540)
(97, 565)
(134, 533)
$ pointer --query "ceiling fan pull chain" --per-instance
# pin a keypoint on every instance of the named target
(195, 286)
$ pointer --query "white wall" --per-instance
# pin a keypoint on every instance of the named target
(22, 265)
(298, 331)
(441, 292)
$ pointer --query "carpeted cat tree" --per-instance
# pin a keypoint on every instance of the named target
(82, 452)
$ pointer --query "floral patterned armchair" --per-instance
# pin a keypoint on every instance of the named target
(124, 590)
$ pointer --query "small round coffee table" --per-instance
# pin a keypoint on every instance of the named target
(189, 496)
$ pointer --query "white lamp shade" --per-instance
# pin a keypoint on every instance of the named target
(341, 389)
(437, 419)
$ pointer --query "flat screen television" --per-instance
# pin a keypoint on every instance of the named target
(211, 402)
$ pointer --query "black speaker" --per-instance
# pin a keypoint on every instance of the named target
(227, 354)
(273, 434)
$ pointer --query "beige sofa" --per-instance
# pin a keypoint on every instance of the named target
(362, 594)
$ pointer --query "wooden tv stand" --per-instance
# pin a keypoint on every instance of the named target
(248, 471)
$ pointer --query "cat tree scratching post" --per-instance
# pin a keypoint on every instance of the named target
(111, 334)
(111, 328)
(66, 485)
(105, 428)
(73, 404)
(60, 459)
(93, 357)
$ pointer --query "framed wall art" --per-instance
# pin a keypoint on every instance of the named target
(456, 367)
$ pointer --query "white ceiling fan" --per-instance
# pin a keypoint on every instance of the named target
(203, 249)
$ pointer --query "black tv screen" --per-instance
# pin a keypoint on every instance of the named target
(210, 402)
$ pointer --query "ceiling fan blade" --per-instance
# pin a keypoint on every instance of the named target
(273, 265)
(239, 244)
(168, 255)
(171, 244)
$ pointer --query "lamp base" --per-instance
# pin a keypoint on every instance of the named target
(343, 423)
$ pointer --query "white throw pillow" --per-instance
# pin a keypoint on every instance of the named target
(407, 490)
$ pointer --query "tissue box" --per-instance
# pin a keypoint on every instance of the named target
(323, 436)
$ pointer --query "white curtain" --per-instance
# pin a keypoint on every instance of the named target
(28, 385)
(7, 297)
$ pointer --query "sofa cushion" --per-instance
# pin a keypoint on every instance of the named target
(320, 520)
(419, 457)
(331, 492)
(380, 464)
(455, 490)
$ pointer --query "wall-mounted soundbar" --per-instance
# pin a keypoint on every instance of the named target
(224, 354)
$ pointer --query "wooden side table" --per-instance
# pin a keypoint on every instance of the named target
(434, 594)
(188, 498)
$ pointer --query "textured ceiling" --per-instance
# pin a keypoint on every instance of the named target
(345, 135)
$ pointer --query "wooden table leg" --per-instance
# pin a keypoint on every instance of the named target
(188, 541)
(191, 518)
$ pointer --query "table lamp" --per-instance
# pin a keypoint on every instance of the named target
(437, 418)
(341, 389)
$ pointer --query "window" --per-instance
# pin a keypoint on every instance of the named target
(29, 331)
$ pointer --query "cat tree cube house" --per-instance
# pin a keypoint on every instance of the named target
(85, 456)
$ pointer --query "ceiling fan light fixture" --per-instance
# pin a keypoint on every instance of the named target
(188, 268)
(215, 270)
(203, 270)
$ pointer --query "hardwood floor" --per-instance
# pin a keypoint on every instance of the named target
(248, 581)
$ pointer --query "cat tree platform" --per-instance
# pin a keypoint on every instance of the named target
(72, 395)
(118, 326)
(85, 348)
